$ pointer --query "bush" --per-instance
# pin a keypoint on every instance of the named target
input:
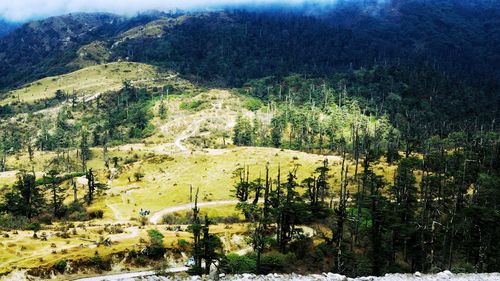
(95, 214)
(148, 131)
(78, 216)
(34, 226)
(77, 212)
(138, 175)
(192, 105)
(323, 249)
(302, 247)
(140, 261)
(129, 161)
(100, 263)
(8, 221)
(113, 229)
(45, 218)
(60, 266)
(252, 104)
(236, 264)
(155, 248)
(272, 262)
(176, 219)
(183, 244)
(132, 254)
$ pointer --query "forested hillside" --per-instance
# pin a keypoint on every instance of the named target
(455, 37)
(361, 139)
(6, 27)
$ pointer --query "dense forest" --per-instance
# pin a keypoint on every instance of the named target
(438, 212)
(434, 214)
(236, 45)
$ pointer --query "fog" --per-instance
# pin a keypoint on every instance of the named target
(24, 10)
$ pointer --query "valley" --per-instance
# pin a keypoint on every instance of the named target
(359, 139)
(171, 159)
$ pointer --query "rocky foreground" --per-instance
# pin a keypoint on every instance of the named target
(445, 275)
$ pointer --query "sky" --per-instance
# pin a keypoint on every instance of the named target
(25, 10)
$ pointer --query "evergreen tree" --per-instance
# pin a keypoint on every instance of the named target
(57, 193)
(276, 131)
(212, 246)
(243, 132)
(196, 228)
(26, 198)
(162, 110)
(84, 149)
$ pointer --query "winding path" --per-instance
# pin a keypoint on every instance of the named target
(130, 275)
(189, 132)
(156, 217)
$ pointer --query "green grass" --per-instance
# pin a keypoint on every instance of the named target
(87, 81)
(169, 172)
(22, 251)
(168, 179)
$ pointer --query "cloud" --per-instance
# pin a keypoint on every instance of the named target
(22, 10)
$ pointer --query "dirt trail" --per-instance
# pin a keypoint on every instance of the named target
(189, 132)
(156, 217)
(131, 275)
(118, 216)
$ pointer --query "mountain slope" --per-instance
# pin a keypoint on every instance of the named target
(454, 36)
(87, 81)
(45, 47)
(6, 27)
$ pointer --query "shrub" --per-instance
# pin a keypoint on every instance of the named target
(183, 244)
(155, 248)
(192, 105)
(176, 219)
(138, 175)
(100, 263)
(34, 226)
(195, 270)
(236, 264)
(132, 254)
(95, 214)
(302, 247)
(78, 216)
(45, 218)
(148, 131)
(252, 104)
(272, 262)
(60, 266)
(129, 161)
(114, 229)
(140, 261)
(8, 221)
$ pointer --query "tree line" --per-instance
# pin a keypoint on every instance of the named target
(438, 212)
(42, 200)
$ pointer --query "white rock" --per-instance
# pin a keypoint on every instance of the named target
(248, 276)
(417, 274)
(444, 275)
(336, 277)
